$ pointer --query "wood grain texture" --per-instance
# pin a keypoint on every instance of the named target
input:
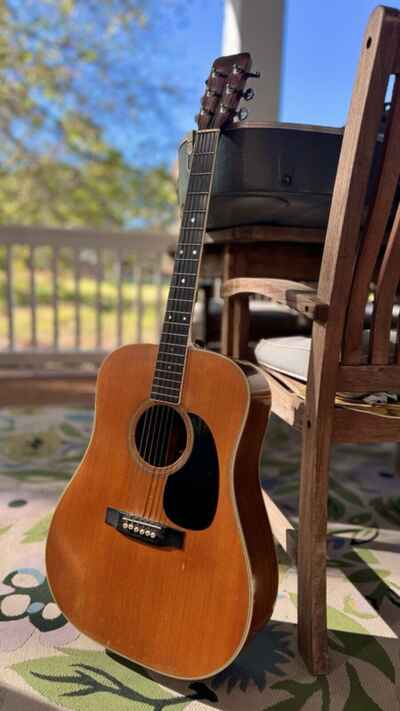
(368, 378)
(278, 260)
(185, 613)
(268, 233)
(314, 410)
(386, 288)
(300, 297)
(27, 387)
(372, 241)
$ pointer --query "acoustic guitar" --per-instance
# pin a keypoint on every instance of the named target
(160, 547)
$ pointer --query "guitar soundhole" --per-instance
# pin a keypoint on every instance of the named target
(160, 436)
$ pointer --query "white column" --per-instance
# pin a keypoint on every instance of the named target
(257, 26)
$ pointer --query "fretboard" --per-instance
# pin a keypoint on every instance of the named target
(174, 340)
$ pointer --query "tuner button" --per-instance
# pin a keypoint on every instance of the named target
(242, 114)
(249, 94)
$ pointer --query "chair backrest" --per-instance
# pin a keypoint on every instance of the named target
(363, 248)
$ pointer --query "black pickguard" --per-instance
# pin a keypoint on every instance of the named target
(191, 494)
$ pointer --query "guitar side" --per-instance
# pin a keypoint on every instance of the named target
(184, 612)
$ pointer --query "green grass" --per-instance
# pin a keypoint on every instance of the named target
(87, 301)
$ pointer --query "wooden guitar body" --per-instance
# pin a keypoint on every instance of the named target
(187, 608)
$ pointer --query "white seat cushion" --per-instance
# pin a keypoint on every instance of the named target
(290, 355)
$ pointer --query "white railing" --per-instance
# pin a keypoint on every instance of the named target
(73, 295)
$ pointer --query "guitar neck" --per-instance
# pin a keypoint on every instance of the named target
(175, 334)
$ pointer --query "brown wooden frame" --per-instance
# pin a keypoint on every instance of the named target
(338, 362)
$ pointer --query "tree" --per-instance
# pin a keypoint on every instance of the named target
(70, 72)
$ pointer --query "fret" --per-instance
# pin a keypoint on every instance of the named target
(159, 360)
(190, 301)
(187, 259)
(177, 323)
(169, 387)
(162, 391)
(171, 357)
(192, 228)
(186, 266)
(169, 313)
(169, 372)
(165, 398)
(187, 244)
(171, 342)
(176, 333)
(172, 345)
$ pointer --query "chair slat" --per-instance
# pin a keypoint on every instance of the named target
(388, 280)
(372, 242)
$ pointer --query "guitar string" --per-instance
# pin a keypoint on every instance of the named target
(203, 145)
(156, 425)
(207, 145)
(168, 339)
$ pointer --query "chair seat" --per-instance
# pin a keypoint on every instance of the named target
(291, 354)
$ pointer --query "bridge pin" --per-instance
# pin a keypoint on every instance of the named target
(130, 526)
(147, 532)
(136, 529)
(124, 525)
(152, 534)
(141, 531)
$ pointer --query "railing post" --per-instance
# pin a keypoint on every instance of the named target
(77, 279)
(139, 303)
(10, 297)
(99, 278)
(56, 320)
(32, 296)
(120, 303)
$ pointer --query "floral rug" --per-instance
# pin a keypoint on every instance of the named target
(45, 663)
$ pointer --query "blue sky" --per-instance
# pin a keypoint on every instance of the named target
(322, 46)
(321, 49)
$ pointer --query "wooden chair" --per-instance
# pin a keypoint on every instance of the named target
(343, 356)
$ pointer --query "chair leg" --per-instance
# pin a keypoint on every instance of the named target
(312, 549)
(397, 459)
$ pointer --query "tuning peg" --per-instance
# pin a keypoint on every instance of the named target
(212, 92)
(253, 75)
(237, 69)
(217, 73)
(242, 114)
(248, 94)
(203, 112)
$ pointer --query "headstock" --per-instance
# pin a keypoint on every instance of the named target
(225, 88)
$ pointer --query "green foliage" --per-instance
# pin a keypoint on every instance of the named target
(57, 165)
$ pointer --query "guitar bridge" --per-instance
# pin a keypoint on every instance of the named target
(152, 533)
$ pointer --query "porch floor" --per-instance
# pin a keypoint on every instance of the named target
(46, 663)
